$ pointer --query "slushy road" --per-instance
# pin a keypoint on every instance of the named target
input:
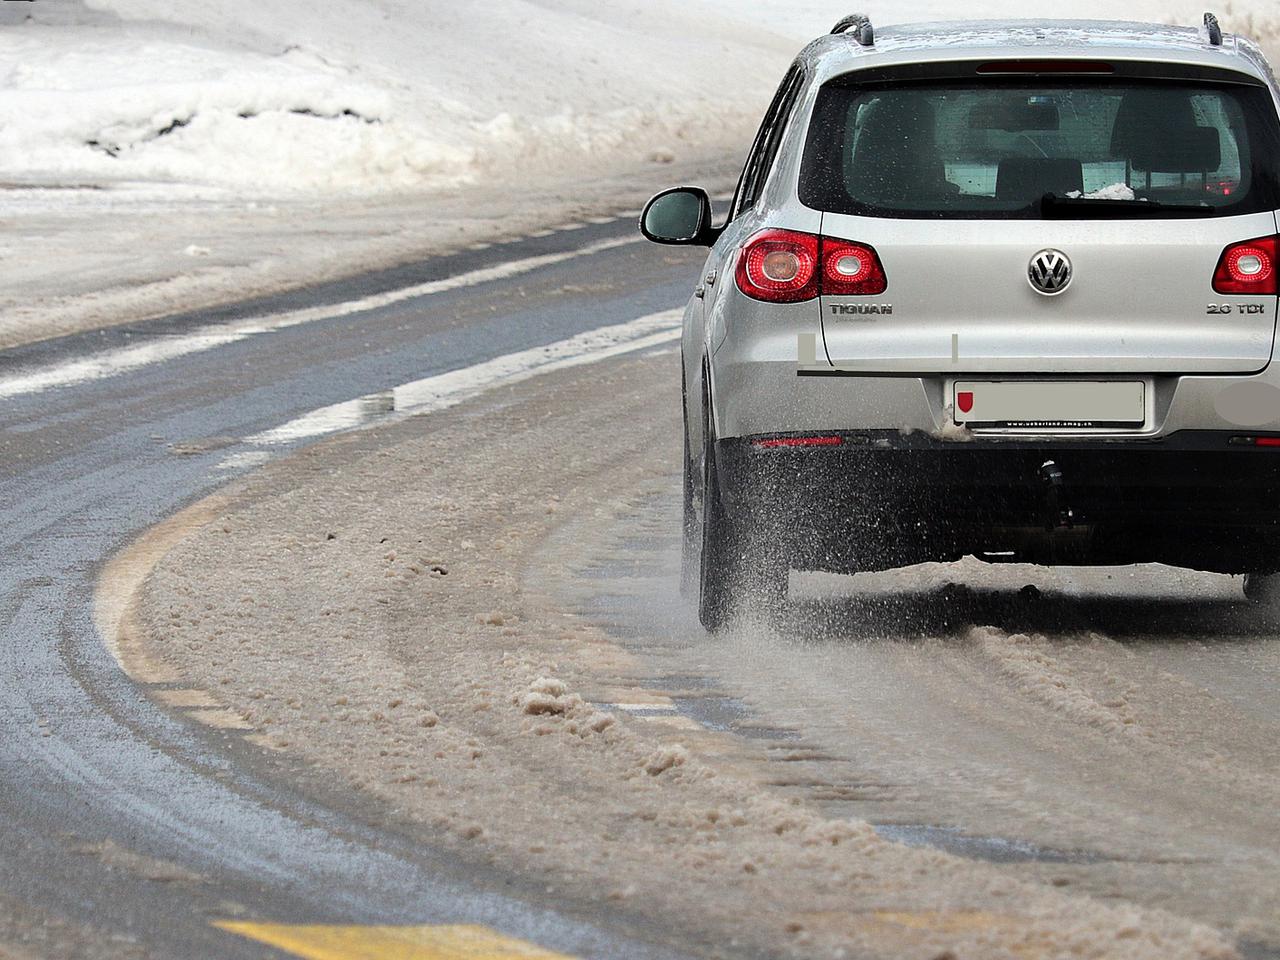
(138, 830)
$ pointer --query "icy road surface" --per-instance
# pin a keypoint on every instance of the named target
(435, 671)
(167, 155)
(470, 620)
(128, 828)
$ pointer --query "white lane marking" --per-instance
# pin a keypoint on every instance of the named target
(449, 389)
(120, 360)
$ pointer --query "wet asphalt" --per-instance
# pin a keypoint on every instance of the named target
(87, 760)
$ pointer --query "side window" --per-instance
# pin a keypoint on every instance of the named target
(765, 148)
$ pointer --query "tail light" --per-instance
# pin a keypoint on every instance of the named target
(850, 269)
(1272, 442)
(1249, 267)
(819, 440)
(1002, 67)
(784, 266)
(779, 266)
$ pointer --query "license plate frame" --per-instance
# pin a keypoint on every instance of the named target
(1050, 404)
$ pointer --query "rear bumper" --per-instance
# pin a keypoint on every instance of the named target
(755, 396)
(882, 499)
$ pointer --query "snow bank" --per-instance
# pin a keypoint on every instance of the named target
(363, 95)
(80, 107)
(371, 95)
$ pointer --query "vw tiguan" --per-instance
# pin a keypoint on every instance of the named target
(996, 289)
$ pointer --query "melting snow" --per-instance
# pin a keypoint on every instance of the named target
(1114, 191)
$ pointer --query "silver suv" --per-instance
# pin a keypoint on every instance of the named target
(1002, 289)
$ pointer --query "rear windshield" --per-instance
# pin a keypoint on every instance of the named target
(983, 149)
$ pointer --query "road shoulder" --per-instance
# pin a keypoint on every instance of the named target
(91, 257)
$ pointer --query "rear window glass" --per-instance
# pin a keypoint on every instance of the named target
(977, 149)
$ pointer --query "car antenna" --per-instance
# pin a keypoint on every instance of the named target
(865, 34)
(1215, 31)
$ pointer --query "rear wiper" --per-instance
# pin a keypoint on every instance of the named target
(1055, 207)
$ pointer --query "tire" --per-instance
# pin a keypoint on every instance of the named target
(1263, 592)
(716, 556)
(1263, 589)
(690, 540)
(737, 571)
(690, 533)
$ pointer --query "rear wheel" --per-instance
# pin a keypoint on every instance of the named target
(738, 570)
(690, 531)
(1263, 590)
(716, 556)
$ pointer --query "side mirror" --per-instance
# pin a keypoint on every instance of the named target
(679, 216)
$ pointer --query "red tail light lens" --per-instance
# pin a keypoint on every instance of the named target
(784, 266)
(1000, 67)
(1249, 267)
(779, 266)
(850, 269)
(790, 442)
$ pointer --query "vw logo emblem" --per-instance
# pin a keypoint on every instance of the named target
(1049, 272)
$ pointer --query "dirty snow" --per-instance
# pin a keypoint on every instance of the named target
(160, 156)
(372, 95)
(75, 260)
(28, 932)
(362, 96)
(1116, 730)
(474, 707)
(1113, 191)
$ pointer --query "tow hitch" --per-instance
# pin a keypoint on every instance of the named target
(1057, 510)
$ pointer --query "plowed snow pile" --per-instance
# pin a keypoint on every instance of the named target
(366, 95)
(371, 606)
(371, 95)
(166, 155)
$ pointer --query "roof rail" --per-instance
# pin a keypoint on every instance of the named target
(1213, 29)
(865, 34)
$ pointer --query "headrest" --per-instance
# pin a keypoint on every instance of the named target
(896, 128)
(1193, 150)
(1030, 178)
(1156, 131)
(896, 150)
(1147, 113)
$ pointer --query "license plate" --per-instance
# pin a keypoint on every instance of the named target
(1049, 404)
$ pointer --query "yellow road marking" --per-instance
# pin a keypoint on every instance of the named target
(115, 595)
(390, 943)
